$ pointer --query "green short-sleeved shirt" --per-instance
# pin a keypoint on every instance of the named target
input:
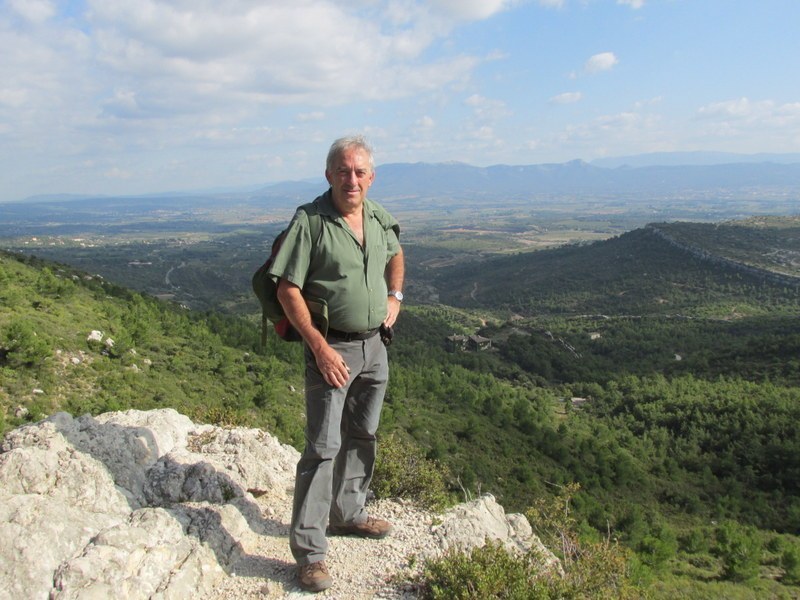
(348, 277)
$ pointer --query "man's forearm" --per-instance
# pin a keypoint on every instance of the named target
(395, 272)
(296, 309)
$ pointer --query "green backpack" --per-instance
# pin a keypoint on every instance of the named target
(266, 289)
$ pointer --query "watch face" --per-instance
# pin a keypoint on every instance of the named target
(398, 295)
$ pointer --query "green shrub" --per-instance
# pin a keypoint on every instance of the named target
(695, 541)
(49, 284)
(402, 471)
(739, 549)
(598, 570)
(658, 547)
(593, 568)
(21, 346)
(790, 561)
(487, 572)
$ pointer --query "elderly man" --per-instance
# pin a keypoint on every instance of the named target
(342, 251)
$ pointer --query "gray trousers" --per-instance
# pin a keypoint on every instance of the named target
(335, 469)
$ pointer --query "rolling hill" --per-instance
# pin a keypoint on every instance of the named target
(690, 269)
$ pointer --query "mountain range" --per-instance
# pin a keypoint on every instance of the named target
(657, 174)
(647, 175)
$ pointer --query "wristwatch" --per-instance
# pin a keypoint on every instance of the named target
(397, 294)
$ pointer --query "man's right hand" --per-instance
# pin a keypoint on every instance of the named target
(332, 366)
(329, 362)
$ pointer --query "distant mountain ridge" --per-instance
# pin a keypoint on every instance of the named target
(655, 173)
(466, 181)
(700, 158)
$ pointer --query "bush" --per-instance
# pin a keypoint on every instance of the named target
(487, 572)
(49, 284)
(739, 548)
(658, 547)
(402, 471)
(593, 568)
(695, 541)
(21, 346)
(598, 570)
(790, 561)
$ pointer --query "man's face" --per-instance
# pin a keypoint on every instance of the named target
(350, 178)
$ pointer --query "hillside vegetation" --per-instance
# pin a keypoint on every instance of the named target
(149, 354)
(637, 273)
(664, 385)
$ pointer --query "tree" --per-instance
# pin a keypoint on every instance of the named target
(21, 346)
(739, 548)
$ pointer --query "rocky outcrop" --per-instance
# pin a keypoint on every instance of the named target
(469, 525)
(150, 505)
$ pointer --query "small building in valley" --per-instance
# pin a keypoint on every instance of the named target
(467, 343)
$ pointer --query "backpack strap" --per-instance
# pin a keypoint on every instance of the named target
(314, 224)
(386, 220)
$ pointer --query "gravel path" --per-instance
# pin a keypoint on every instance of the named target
(360, 568)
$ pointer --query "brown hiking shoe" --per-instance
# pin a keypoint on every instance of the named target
(314, 577)
(371, 528)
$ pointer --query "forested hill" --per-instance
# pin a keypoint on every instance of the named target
(765, 246)
(686, 269)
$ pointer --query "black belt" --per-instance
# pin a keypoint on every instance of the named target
(352, 336)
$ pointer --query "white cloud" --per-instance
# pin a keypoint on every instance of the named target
(745, 118)
(13, 97)
(266, 53)
(35, 11)
(621, 133)
(601, 62)
(117, 173)
(486, 109)
(316, 115)
(567, 98)
(426, 123)
(123, 104)
(172, 69)
(634, 4)
(532, 145)
(654, 101)
(483, 133)
(44, 89)
(740, 108)
(737, 125)
(472, 10)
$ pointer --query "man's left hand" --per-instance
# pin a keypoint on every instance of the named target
(392, 312)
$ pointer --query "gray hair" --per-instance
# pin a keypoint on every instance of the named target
(345, 143)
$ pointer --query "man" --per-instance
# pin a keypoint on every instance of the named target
(353, 262)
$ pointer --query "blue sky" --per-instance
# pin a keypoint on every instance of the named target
(144, 96)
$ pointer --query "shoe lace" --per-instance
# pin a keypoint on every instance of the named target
(317, 566)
